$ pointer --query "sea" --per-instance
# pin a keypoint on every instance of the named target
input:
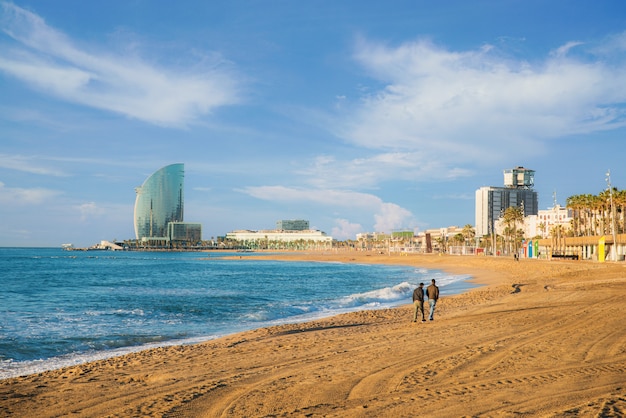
(60, 308)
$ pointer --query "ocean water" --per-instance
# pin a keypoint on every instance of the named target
(60, 308)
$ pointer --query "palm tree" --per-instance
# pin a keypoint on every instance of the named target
(542, 228)
(441, 242)
(576, 203)
(619, 198)
(605, 212)
(512, 216)
(458, 239)
(486, 242)
(593, 206)
(558, 239)
(592, 215)
(468, 233)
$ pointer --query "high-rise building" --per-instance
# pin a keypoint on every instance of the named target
(160, 200)
(491, 202)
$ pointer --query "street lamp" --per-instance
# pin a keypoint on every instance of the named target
(614, 246)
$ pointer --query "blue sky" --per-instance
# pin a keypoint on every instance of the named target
(356, 115)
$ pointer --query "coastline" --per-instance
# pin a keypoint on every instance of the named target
(529, 340)
(325, 289)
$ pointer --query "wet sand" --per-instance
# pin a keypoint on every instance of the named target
(540, 339)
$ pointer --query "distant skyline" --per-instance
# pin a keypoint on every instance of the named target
(357, 116)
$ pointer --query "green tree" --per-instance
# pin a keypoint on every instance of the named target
(513, 216)
(458, 239)
(468, 233)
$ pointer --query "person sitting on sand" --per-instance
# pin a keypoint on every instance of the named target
(418, 301)
(433, 295)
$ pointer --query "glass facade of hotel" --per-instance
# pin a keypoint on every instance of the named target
(160, 200)
(185, 231)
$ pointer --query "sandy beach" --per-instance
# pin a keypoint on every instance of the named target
(539, 339)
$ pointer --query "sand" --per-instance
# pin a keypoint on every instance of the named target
(541, 338)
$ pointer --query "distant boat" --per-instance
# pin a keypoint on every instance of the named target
(67, 246)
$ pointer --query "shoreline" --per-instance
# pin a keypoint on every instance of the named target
(528, 341)
(12, 369)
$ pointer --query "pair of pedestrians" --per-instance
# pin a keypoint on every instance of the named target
(420, 294)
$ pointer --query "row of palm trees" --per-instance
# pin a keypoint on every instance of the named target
(465, 237)
(513, 236)
(512, 232)
(593, 215)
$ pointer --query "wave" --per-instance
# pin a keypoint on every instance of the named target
(10, 368)
(386, 297)
(205, 309)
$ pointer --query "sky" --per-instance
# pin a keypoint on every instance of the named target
(359, 116)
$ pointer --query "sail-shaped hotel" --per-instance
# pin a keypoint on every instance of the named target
(159, 208)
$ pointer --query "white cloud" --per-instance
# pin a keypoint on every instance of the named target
(612, 43)
(28, 164)
(386, 216)
(328, 172)
(47, 60)
(319, 196)
(203, 189)
(390, 217)
(344, 229)
(90, 210)
(21, 196)
(563, 50)
(455, 107)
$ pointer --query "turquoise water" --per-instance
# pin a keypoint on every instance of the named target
(59, 308)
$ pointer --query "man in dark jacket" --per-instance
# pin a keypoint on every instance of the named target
(433, 295)
(418, 301)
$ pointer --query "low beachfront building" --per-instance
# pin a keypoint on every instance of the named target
(543, 224)
(281, 239)
(372, 236)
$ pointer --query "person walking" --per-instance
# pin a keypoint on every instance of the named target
(418, 301)
(433, 295)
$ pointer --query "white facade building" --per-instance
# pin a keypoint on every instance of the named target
(279, 235)
(371, 236)
(544, 222)
(491, 202)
